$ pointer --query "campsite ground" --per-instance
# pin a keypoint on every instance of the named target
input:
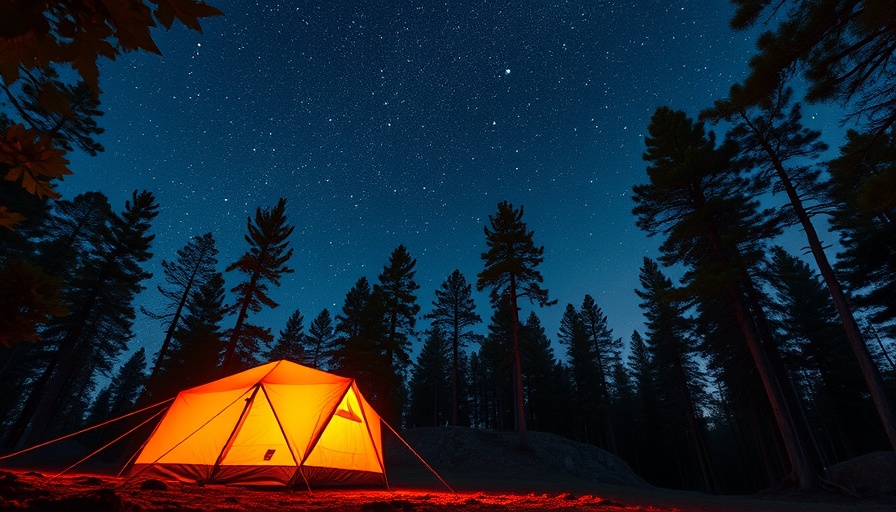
(485, 469)
(92, 493)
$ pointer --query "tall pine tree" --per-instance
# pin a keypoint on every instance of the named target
(773, 136)
(97, 330)
(290, 345)
(511, 273)
(454, 311)
(697, 199)
(320, 340)
(194, 266)
(264, 262)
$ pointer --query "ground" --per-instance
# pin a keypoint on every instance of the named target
(484, 469)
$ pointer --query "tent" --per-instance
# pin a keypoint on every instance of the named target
(276, 424)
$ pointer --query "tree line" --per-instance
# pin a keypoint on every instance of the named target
(754, 368)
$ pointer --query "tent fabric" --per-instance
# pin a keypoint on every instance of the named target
(276, 424)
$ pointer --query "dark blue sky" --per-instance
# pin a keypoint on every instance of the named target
(395, 122)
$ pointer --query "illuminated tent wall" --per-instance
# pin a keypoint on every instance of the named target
(276, 424)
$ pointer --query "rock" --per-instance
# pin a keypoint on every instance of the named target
(473, 453)
(90, 480)
(872, 474)
(151, 484)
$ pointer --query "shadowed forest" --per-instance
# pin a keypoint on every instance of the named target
(757, 367)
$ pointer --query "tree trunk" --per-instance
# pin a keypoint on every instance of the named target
(799, 464)
(169, 334)
(694, 426)
(853, 334)
(228, 363)
(606, 415)
(519, 414)
(454, 349)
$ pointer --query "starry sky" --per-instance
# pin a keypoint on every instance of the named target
(398, 122)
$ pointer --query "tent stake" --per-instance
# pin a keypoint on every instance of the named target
(418, 456)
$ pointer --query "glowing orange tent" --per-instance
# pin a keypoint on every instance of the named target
(277, 424)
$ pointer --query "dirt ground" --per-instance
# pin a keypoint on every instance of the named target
(483, 467)
(99, 493)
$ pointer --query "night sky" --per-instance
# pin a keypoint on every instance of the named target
(395, 122)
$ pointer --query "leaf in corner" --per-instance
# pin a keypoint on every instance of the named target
(190, 11)
(9, 219)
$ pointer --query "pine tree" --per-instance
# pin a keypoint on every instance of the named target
(350, 326)
(454, 311)
(494, 373)
(320, 340)
(75, 229)
(864, 215)
(99, 326)
(586, 374)
(362, 352)
(773, 137)
(640, 363)
(194, 266)
(125, 386)
(196, 345)
(643, 404)
(264, 262)
(678, 378)
(291, 343)
(696, 199)
(606, 354)
(539, 386)
(430, 382)
(845, 50)
(510, 269)
(395, 290)
(815, 348)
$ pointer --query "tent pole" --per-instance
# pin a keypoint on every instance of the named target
(369, 434)
(419, 457)
(233, 433)
(184, 439)
(323, 427)
(286, 439)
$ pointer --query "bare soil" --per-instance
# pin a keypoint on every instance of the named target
(485, 470)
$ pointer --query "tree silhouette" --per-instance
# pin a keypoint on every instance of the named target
(264, 262)
(863, 211)
(678, 378)
(455, 312)
(510, 270)
(697, 200)
(196, 345)
(773, 136)
(845, 50)
(194, 266)
(430, 382)
(586, 375)
(102, 313)
(290, 344)
(606, 350)
(320, 340)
